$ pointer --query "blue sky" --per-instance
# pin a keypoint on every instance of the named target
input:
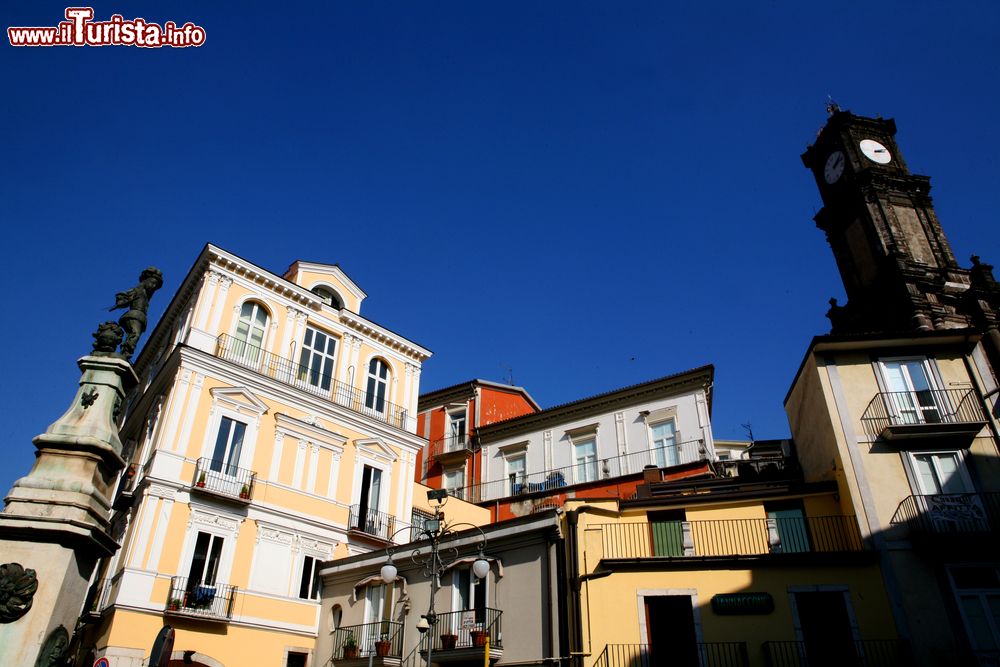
(581, 195)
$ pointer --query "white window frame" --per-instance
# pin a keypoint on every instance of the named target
(578, 442)
(934, 384)
(265, 339)
(218, 525)
(910, 465)
(456, 593)
(387, 399)
(324, 358)
(980, 592)
(314, 579)
(457, 491)
(659, 452)
(451, 440)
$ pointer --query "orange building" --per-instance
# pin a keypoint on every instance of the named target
(449, 418)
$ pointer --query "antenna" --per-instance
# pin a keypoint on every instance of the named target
(509, 377)
(748, 427)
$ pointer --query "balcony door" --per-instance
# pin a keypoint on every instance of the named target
(826, 628)
(790, 522)
(670, 628)
(470, 594)
(228, 448)
(667, 532)
(369, 519)
(455, 438)
(665, 444)
(317, 359)
(249, 338)
(910, 386)
(947, 493)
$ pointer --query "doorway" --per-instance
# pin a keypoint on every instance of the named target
(671, 631)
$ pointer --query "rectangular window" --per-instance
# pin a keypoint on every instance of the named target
(317, 358)
(456, 431)
(454, 481)
(978, 591)
(309, 584)
(296, 659)
(828, 631)
(516, 472)
(911, 397)
(228, 446)
(369, 519)
(585, 460)
(378, 603)
(940, 472)
(665, 444)
(205, 562)
(470, 593)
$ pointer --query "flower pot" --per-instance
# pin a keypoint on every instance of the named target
(244, 496)
(448, 642)
(479, 637)
(382, 648)
(200, 485)
(350, 652)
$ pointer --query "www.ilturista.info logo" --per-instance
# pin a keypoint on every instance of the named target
(79, 29)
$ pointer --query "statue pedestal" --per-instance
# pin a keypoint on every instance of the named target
(56, 518)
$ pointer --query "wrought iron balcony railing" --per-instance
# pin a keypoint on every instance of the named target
(451, 445)
(383, 639)
(212, 602)
(223, 479)
(914, 414)
(374, 523)
(99, 596)
(949, 513)
(591, 471)
(730, 537)
(311, 380)
(465, 629)
(829, 653)
(701, 654)
(764, 468)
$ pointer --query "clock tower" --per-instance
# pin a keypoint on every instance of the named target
(898, 270)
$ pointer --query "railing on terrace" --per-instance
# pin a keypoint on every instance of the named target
(467, 627)
(829, 653)
(912, 408)
(373, 522)
(311, 380)
(450, 445)
(730, 537)
(382, 639)
(224, 479)
(949, 513)
(607, 468)
(99, 596)
(200, 600)
(764, 468)
(702, 654)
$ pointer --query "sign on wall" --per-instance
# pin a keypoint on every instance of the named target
(732, 604)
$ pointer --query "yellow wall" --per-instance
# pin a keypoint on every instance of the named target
(455, 511)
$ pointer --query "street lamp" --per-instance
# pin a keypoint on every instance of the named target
(432, 564)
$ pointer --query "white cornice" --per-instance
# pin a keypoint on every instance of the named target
(331, 270)
(384, 336)
(293, 426)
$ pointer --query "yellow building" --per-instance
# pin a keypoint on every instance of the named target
(275, 430)
(755, 569)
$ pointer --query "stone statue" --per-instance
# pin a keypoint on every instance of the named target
(55, 650)
(137, 302)
(107, 338)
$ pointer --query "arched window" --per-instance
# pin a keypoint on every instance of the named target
(249, 338)
(328, 296)
(378, 385)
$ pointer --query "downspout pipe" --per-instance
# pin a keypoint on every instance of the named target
(576, 630)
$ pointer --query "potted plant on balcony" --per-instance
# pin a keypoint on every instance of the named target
(350, 647)
(478, 636)
(245, 492)
(448, 641)
(173, 604)
(201, 480)
(383, 646)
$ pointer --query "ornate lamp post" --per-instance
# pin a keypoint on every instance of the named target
(432, 563)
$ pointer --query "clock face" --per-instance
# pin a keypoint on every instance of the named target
(834, 167)
(875, 151)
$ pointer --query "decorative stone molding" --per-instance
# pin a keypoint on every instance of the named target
(17, 591)
(267, 534)
(202, 518)
(161, 491)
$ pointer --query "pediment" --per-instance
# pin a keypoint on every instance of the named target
(377, 449)
(239, 399)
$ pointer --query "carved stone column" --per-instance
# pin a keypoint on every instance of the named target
(55, 522)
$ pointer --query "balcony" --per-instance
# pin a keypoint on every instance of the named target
(583, 473)
(461, 636)
(380, 643)
(98, 598)
(933, 413)
(210, 603)
(730, 538)
(452, 449)
(223, 481)
(950, 514)
(702, 654)
(310, 380)
(374, 524)
(827, 653)
(762, 469)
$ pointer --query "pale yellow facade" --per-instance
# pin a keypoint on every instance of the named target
(274, 431)
(907, 428)
(729, 547)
